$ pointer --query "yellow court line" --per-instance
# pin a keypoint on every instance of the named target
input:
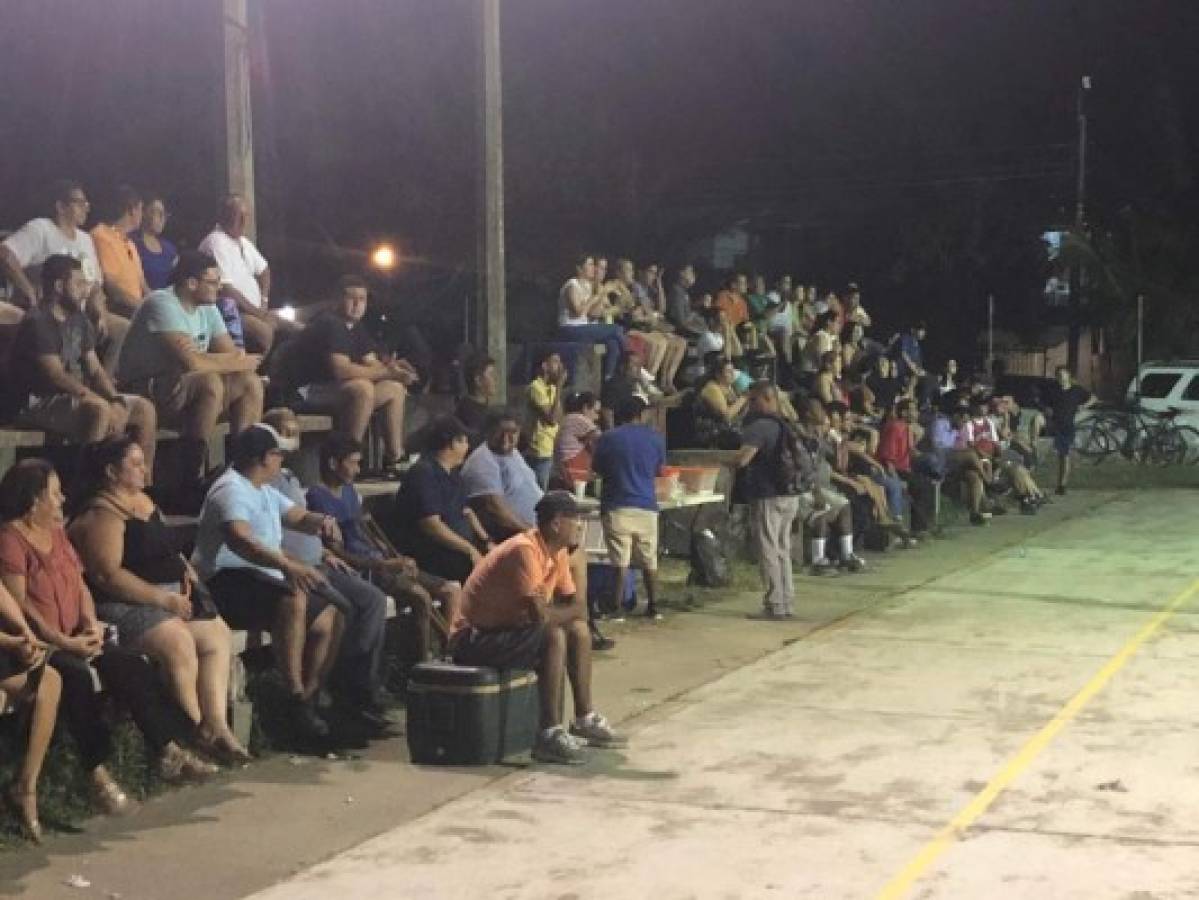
(899, 886)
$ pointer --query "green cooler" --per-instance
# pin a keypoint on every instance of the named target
(470, 715)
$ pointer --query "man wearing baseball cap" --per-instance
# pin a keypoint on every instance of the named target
(520, 610)
(256, 586)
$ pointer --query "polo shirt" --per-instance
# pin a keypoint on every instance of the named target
(239, 261)
(495, 595)
(144, 355)
(119, 260)
(234, 498)
(628, 459)
(542, 397)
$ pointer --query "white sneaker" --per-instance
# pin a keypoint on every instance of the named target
(596, 732)
(558, 747)
(823, 566)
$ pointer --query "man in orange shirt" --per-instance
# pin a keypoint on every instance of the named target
(732, 302)
(124, 281)
(520, 610)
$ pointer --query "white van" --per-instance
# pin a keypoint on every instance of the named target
(1170, 384)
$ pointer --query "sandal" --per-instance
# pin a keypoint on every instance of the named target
(177, 764)
(112, 801)
(225, 749)
(17, 802)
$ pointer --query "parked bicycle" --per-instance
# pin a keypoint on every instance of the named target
(1139, 435)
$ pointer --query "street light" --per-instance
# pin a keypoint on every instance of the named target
(384, 257)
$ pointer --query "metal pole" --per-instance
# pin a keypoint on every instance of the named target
(1140, 339)
(990, 334)
(1080, 216)
(239, 133)
(491, 318)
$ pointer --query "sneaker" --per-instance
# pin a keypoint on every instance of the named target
(595, 731)
(558, 747)
(823, 566)
(998, 510)
(1028, 507)
(980, 518)
(1061, 490)
(853, 563)
(651, 612)
(305, 719)
(598, 642)
(771, 615)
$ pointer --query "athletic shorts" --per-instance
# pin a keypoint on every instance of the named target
(499, 648)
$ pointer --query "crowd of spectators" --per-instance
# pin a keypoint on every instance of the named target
(836, 434)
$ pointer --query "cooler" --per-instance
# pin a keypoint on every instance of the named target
(470, 715)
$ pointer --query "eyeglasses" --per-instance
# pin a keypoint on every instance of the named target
(79, 201)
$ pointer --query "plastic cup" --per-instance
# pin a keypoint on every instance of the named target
(580, 489)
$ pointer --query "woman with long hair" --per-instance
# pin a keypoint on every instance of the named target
(145, 587)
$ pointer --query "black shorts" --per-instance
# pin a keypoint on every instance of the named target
(248, 600)
(499, 648)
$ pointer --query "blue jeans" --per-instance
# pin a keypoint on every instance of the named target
(541, 468)
(611, 336)
(894, 489)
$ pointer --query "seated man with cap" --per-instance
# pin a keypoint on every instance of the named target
(520, 610)
(256, 586)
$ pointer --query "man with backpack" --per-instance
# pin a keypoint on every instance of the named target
(778, 482)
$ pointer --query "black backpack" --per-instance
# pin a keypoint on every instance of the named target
(792, 468)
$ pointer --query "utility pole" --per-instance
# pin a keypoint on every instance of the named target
(1080, 218)
(239, 132)
(491, 306)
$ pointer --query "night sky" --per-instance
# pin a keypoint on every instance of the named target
(864, 140)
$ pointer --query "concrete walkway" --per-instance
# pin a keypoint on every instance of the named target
(903, 751)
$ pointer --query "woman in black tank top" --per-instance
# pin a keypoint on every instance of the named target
(145, 587)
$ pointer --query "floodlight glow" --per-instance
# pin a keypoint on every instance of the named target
(288, 313)
(384, 257)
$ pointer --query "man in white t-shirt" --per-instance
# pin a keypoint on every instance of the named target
(23, 252)
(245, 274)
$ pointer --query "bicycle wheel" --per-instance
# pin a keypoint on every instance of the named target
(1165, 448)
(1190, 438)
(1095, 443)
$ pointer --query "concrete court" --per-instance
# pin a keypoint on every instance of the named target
(823, 769)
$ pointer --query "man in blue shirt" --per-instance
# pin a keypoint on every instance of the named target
(628, 459)
(256, 586)
(499, 484)
(413, 590)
